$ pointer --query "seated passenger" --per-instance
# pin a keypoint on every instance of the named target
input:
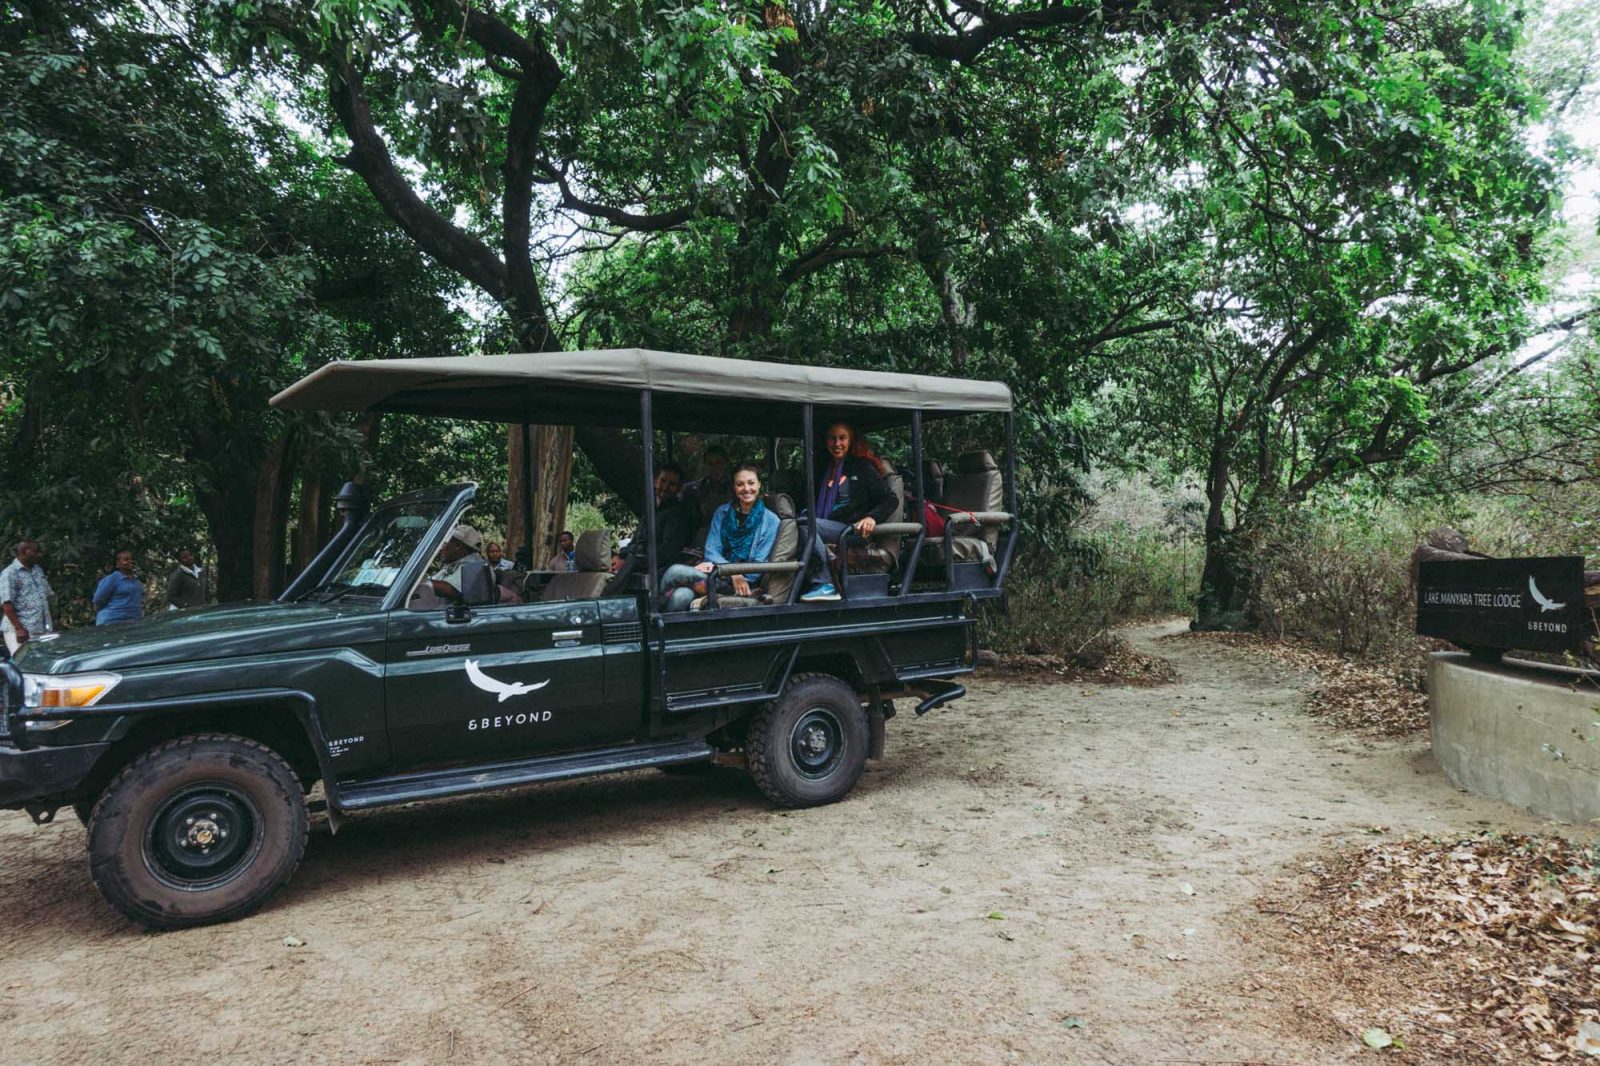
(565, 557)
(705, 495)
(742, 531)
(462, 547)
(496, 558)
(851, 495)
(675, 526)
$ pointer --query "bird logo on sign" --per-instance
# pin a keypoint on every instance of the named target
(1544, 602)
(503, 690)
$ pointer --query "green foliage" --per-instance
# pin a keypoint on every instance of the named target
(169, 259)
(1274, 243)
(1061, 600)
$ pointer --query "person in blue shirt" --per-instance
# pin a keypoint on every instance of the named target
(120, 596)
(742, 530)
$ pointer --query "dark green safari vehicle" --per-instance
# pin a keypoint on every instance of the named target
(189, 742)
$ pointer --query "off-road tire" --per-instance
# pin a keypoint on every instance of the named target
(811, 706)
(140, 852)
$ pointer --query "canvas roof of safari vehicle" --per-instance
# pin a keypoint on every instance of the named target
(601, 387)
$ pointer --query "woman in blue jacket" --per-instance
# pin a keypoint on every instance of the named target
(120, 596)
(742, 530)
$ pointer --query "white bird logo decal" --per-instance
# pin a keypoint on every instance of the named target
(1539, 598)
(482, 680)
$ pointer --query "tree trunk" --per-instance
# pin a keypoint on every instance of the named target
(1225, 584)
(552, 448)
(230, 512)
(308, 524)
(274, 481)
(1224, 601)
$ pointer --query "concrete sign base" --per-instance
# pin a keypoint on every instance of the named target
(1521, 732)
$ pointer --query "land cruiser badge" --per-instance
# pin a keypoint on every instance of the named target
(501, 689)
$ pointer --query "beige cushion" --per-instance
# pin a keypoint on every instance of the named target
(976, 486)
(884, 552)
(786, 549)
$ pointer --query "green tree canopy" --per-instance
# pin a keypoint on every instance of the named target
(169, 257)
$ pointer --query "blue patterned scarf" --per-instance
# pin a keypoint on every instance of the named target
(739, 531)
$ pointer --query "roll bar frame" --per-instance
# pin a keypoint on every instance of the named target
(913, 525)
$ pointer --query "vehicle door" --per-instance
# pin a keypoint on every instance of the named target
(500, 682)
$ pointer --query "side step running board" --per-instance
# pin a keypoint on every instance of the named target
(436, 784)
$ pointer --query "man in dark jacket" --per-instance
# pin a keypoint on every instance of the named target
(851, 495)
(675, 526)
(188, 585)
(704, 496)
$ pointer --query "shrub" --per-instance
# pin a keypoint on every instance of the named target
(1059, 601)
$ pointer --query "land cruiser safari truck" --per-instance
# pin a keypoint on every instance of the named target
(188, 742)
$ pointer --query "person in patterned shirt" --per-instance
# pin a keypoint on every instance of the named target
(24, 597)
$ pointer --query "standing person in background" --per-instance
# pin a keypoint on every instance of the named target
(189, 585)
(24, 597)
(495, 556)
(120, 596)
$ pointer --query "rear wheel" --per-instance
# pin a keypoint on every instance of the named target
(201, 829)
(809, 746)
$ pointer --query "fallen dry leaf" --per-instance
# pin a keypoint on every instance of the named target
(1486, 949)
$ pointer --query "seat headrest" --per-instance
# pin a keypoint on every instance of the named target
(780, 504)
(592, 553)
(976, 463)
(932, 468)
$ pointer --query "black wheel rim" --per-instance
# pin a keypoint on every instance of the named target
(817, 743)
(202, 837)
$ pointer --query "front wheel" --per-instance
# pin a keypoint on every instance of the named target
(809, 746)
(201, 829)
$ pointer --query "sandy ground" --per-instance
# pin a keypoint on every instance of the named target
(1011, 884)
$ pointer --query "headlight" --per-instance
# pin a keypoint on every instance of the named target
(59, 691)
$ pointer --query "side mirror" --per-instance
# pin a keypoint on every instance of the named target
(478, 588)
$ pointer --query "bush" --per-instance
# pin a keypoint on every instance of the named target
(1341, 582)
(1059, 601)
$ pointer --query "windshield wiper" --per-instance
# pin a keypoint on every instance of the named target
(329, 593)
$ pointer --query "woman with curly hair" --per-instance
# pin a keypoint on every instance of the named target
(851, 495)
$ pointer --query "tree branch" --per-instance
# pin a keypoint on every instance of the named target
(615, 215)
(991, 24)
(369, 157)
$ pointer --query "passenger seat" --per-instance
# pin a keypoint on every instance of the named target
(976, 486)
(593, 558)
(882, 554)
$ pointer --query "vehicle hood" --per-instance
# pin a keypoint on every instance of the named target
(203, 633)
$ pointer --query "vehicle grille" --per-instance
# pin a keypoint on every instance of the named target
(623, 632)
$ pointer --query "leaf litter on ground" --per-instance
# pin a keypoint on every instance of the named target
(1349, 694)
(1479, 950)
(1107, 659)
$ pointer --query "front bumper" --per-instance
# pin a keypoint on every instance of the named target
(44, 774)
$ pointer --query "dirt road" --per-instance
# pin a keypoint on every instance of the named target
(1039, 872)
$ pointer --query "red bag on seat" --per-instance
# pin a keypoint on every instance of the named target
(932, 519)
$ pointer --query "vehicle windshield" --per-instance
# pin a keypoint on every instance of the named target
(381, 550)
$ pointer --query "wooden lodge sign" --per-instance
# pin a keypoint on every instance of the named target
(1532, 604)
